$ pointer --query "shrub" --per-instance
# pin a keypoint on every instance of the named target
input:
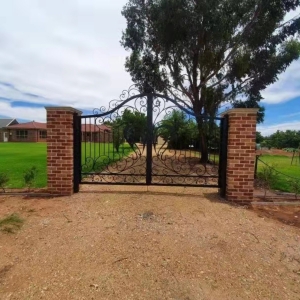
(3, 180)
(267, 177)
(30, 176)
(295, 186)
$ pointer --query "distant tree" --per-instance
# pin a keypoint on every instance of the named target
(178, 130)
(130, 127)
(266, 143)
(210, 51)
(284, 139)
(259, 137)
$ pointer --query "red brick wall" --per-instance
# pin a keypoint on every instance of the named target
(60, 149)
(1, 135)
(241, 154)
(33, 136)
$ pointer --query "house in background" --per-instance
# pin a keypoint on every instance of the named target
(12, 131)
(27, 132)
(4, 133)
(96, 133)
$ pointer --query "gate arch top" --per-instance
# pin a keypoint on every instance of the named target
(159, 154)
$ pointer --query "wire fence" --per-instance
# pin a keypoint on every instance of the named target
(272, 168)
(268, 178)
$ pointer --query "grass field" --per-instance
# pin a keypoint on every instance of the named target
(15, 158)
(104, 153)
(283, 165)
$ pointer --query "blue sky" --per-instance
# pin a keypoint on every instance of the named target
(68, 53)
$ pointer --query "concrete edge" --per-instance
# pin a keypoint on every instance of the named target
(65, 108)
(239, 111)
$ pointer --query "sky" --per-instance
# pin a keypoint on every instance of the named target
(68, 53)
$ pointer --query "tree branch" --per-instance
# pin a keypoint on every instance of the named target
(218, 82)
(188, 72)
(184, 90)
(177, 98)
(235, 47)
(239, 87)
(292, 19)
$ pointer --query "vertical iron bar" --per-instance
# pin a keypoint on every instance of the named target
(99, 141)
(93, 134)
(223, 156)
(149, 138)
(90, 138)
(85, 138)
(255, 168)
(76, 152)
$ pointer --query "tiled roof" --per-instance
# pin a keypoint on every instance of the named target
(94, 128)
(29, 125)
(5, 122)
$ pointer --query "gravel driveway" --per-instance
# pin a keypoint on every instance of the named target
(130, 243)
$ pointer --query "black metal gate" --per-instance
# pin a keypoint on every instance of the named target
(149, 139)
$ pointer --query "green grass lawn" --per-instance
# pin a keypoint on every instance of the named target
(15, 158)
(283, 165)
(102, 154)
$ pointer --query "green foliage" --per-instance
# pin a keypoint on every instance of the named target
(295, 186)
(267, 177)
(178, 130)
(11, 223)
(118, 136)
(4, 178)
(130, 127)
(259, 138)
(181, 131)
(266, 144)
(211, 51)
(30, 176)
(283, 139)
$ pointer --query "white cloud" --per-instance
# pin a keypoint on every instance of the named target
(287, 87)
(65, 51)
(27, 113)
(291, 115)
(267, 130)
(68, 53)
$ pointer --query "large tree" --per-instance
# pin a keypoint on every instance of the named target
(210, 51)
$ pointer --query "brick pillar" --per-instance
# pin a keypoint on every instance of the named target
(241, 154)
(60, 135)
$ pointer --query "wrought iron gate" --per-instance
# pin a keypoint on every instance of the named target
(149, 139)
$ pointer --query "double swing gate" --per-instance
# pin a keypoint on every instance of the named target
(149, 139)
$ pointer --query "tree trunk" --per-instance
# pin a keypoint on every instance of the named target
(204, 149)
(203, 142)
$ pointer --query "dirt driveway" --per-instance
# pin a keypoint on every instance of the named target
(162, 244)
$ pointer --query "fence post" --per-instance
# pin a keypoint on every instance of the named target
(255, 168)
(223, 156)
(60, 154)
(241, 151)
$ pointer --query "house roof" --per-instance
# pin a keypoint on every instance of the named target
(29, 125)
(94, 128)
(5, 122)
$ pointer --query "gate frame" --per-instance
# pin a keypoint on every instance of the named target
(61, 179)
(221, 176)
